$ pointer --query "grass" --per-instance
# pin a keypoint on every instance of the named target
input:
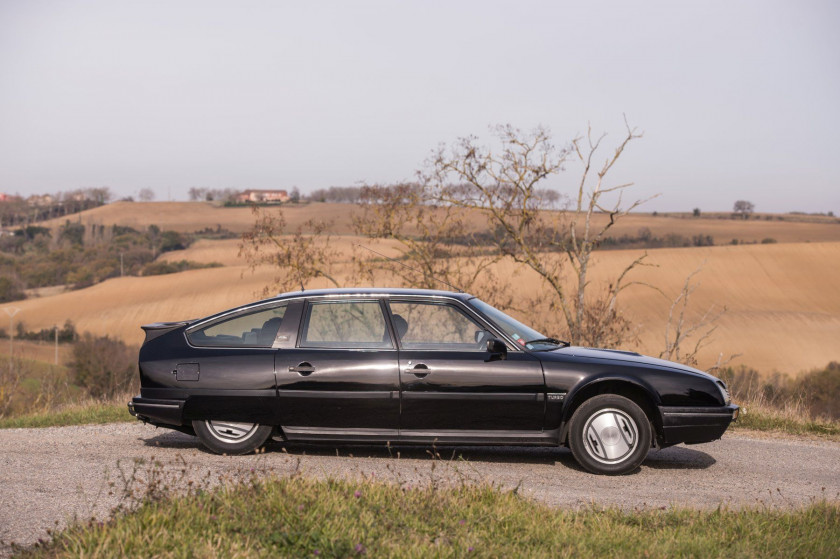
(297, 517)
(74, 414)
(760, 418)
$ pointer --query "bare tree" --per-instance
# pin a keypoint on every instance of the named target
(297, 257)
(743, 208)
(437, 247)
(684, 337)
(504, 186)
(146, 195)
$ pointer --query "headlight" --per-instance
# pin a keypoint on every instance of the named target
(724, 393)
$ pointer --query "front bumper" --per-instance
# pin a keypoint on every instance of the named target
(156, 411)
(695, 425)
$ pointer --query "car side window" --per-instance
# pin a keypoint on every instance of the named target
(426, 325)
(345, 324)
(256, 329)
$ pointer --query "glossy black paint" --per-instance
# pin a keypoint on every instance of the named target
(392, 394)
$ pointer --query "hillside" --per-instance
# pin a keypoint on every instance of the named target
(187, 217)
(783, 300)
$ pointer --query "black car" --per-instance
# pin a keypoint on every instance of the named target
(415, 366)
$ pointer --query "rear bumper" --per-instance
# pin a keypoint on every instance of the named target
(155, 411)
(695, 425)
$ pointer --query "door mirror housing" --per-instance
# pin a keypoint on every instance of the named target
(497, 347)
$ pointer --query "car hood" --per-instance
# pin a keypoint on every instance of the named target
(629, 357)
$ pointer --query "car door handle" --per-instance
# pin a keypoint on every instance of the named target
(419, 370)
(303, 369)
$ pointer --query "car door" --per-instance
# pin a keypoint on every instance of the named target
(451, 385)
(341, 378)
(230, 373)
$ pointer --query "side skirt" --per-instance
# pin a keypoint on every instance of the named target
(534, 438)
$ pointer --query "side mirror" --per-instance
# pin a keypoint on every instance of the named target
(497, 347)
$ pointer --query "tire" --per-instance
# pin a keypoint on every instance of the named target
(610, 435)
(229, 437)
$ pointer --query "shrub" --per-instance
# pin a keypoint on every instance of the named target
(812, 395)
(822, 390)
(768, 241)
(11, 289)
(67, 334)
(172, 240)
(160, 268)
(103, 366)
(74, 233)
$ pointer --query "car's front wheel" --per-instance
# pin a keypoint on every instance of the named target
(230, 437)
(609, 434)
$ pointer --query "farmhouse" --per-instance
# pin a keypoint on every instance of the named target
(263, 196)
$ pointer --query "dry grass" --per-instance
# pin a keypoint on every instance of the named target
(226, 251)
(36, 351)
(724, 230)
(77, 413)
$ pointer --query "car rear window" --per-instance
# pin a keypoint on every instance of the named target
(255, 329)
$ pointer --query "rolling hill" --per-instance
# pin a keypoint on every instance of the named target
(782, 300)
(188, 217)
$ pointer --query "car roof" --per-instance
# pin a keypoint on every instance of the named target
(373, 291)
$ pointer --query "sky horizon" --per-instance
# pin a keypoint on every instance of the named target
(736, 100)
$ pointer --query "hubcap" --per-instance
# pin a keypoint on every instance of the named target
(610, 436)
(230, 432)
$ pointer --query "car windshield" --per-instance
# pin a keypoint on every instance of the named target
(523, 335)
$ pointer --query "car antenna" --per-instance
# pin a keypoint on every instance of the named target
(404, 265)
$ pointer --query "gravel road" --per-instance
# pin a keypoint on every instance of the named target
(48, 476)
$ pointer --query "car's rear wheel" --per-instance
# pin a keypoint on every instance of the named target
(231, 437)
(610, 434)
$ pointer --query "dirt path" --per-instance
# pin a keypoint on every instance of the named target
(48, 476)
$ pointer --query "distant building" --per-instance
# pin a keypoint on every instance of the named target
(263, 196)
(42, 200)
(4, 197)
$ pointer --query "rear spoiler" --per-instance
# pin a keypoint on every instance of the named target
(160, 328)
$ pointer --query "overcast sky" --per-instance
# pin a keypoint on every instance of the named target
(737, 100)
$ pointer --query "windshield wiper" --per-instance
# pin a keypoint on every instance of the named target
(554, 341)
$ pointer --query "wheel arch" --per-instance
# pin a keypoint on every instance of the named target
(644, 396)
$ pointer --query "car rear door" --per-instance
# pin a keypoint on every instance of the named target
(229, 371)
(341, 378)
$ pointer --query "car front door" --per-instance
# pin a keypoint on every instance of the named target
(341, 379)
(451, 386)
